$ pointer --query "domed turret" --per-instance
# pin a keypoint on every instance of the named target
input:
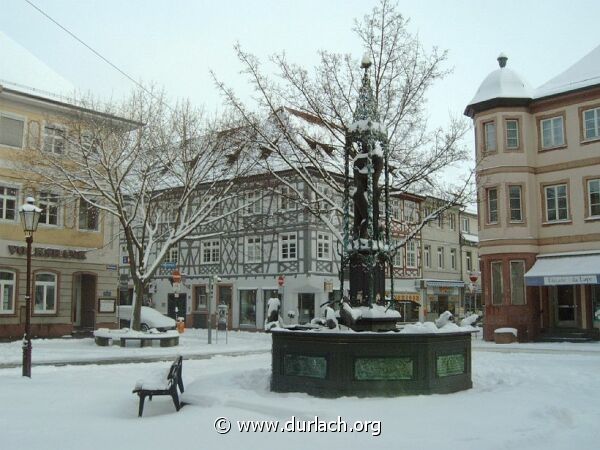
(502, 87)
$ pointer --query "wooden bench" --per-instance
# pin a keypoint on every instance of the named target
(162, 386)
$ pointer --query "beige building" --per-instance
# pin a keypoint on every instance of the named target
(538, 179)
(74, 263)
(449, 258)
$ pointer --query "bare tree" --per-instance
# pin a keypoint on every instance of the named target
(300, 119)
(161, 171)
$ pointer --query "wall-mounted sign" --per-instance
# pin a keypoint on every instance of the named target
(111, 267)
(106, 305)
(42, 252)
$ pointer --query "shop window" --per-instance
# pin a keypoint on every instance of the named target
(45, 293)
(517, 282)
(248, 307)
(7, 292)
(496, 270)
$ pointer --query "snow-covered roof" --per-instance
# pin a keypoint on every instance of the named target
(470, 237)
(502, 83)
(22, 71)
(584, 73)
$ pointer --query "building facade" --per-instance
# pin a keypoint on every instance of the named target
(538, 179)
(75, 253)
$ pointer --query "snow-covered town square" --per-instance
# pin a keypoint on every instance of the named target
(533, 396)
(292, 224)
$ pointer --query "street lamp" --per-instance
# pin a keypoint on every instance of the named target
(30, 216)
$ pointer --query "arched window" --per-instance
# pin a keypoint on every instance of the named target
(7, 291)
(45, 293)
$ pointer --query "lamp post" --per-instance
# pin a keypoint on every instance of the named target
(30, 216)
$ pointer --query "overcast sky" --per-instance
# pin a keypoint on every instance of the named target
(175, 42)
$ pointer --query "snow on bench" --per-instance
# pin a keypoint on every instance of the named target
(161, 382)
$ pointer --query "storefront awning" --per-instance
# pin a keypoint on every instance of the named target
(553, 270)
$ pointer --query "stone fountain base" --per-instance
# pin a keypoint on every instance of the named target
(328, 364)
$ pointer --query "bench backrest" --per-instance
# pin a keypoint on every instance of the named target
(174, 375)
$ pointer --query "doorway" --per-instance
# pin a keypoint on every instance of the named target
(565, 306)
(306, 308)
(84, 300)
(225, 295)
(176, 306)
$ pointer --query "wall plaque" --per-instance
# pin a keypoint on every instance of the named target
(305, 366)
(383, 368)
(106, 305)
(447, 365)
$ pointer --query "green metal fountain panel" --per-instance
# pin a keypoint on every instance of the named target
(304, 366)
(447, 365)
(383, 369)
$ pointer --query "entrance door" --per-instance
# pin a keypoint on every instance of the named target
(88, 301)
(306, 308)
(225, 295)
(176, 302)
(566, 308)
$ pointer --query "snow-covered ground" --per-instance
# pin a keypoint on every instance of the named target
(534, 396)
(191, 343)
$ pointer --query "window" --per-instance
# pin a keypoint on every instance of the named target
(469, 259)
(496, 269)
(172, 255)
(45, 293)
(440, 252)
(517, 282)
(440, 218)
(411, 254)
(211, 251)
(552, 132)
(54, 139)
(7, 292)
(594, 197)
(396, 209)
(512, 134)
(201, 297)
(492, 205)
(452, 221)
(410, 209)
(8, 203)
(398, 260)
(248, 307)
(591, 124)
(465, 224)
(253, 250)
(253, 203)
(514, 200)
(49, 204)
(426, 213)
(453, 258)
(427, 255)
(88, 216)
(489, 136)
(288, 247)
(11, 131)
(324, 246)
(557, 207)
(285, 199)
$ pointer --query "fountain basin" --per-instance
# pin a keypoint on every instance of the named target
(366, 364)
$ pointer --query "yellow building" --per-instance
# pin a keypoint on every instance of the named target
(75, 255)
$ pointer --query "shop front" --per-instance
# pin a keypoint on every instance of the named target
(440, 296)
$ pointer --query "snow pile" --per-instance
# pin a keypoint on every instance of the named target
(469, 320)
(378, 312)
(272, 319)
(506, 330)
(444, 319)
(367, 125)
(430, 327)
(126, 332)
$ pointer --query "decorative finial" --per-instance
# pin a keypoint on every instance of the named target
(502, 58)
(366, 61)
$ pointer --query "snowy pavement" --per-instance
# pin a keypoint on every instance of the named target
(526, 396)
(192, 344)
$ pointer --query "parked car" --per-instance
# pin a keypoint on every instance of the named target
(149, 318)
